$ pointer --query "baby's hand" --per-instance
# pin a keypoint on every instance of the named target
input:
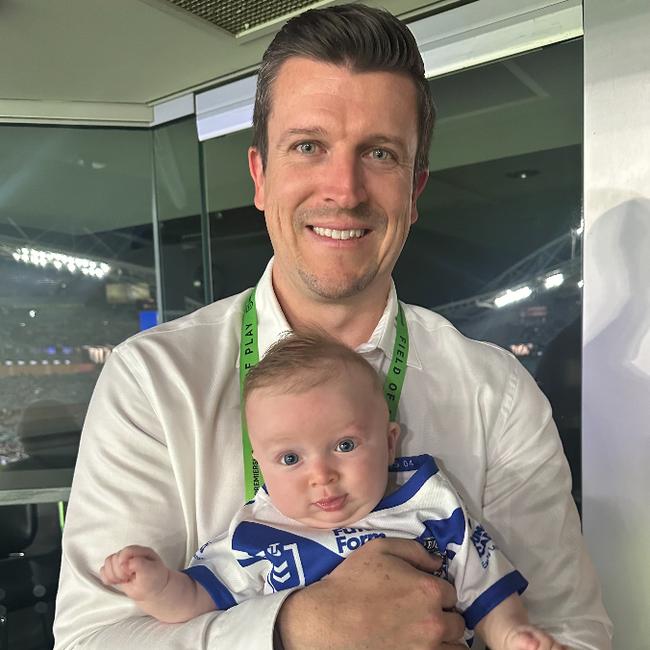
(527, 637)
(138, 571)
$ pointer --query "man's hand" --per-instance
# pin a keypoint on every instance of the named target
(383, 596)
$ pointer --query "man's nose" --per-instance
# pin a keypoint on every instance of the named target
(323, 473)
(343, 180)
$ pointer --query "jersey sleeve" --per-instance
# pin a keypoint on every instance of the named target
(482, 575)
(216, 568)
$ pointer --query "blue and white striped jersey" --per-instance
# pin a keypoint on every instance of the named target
(264, 551)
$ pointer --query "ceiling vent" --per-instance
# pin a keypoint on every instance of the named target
(246, 17)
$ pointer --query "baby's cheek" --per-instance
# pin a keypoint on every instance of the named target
(283, 497)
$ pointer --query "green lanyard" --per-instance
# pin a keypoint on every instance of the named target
(249, 356)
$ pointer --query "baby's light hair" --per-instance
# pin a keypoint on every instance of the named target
(303, 360)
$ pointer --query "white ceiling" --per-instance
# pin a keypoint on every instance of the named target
(110, 60)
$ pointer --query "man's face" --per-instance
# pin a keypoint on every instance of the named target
(324, 453)
(338, 190)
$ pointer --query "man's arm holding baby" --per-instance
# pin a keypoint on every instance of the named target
(361, 597)
(382, 596)
(169, 596)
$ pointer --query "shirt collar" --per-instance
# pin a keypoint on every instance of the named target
(271, 320)
(273, 324)
(383, 338)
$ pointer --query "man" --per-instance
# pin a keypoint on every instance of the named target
(342, 128)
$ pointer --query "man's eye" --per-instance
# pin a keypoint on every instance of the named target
(289, 459)
(380, 154)
(306, 148)
(346, 445)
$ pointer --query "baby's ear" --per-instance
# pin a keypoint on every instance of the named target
(393, 436)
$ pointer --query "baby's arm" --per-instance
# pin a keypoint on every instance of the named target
(170, 596)
(506, 627)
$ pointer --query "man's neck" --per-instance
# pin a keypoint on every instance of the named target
(351, 320)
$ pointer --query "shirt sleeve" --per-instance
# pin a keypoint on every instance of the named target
(126, 491)
(531, 516)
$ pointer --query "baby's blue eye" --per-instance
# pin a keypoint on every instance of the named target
(346, 445)
(289, 459)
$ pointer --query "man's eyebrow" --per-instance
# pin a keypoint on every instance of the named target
(304, 131)
(382, 138)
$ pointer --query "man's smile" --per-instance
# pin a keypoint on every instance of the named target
(335, 233)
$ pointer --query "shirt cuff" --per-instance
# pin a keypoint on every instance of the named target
(251, 624)
(277, 639)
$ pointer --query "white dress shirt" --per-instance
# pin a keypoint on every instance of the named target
(160, 464)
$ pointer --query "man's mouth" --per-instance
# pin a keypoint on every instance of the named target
(334, 233)
(331, 504)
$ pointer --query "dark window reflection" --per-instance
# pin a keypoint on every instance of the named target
(239, 244)
(178, 209)
(241, 249)
(498, 246)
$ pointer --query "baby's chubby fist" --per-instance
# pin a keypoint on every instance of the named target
(138, 571)
(531, 638)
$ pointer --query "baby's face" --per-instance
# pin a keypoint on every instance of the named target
(324, 453)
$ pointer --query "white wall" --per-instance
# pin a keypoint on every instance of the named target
(616, 361)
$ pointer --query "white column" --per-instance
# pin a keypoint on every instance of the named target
(616, 346)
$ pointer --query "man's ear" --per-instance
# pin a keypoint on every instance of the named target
(256, 169)
(393, 435)
(419, 183)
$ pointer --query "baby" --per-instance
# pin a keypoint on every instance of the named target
(320, 431)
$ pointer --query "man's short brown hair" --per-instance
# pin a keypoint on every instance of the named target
(302, 361)
(365, 39)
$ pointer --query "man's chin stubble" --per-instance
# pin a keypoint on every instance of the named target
(338, 291)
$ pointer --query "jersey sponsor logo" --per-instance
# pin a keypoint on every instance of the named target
(483, 544)
(287, 571)
(350, 539)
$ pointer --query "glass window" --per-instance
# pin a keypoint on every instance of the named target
(77, 269)
(178, 208)
(239, 244)
(497, 247)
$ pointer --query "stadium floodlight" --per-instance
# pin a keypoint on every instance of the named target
(60, 260)
(553, 281)
(512, 295)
